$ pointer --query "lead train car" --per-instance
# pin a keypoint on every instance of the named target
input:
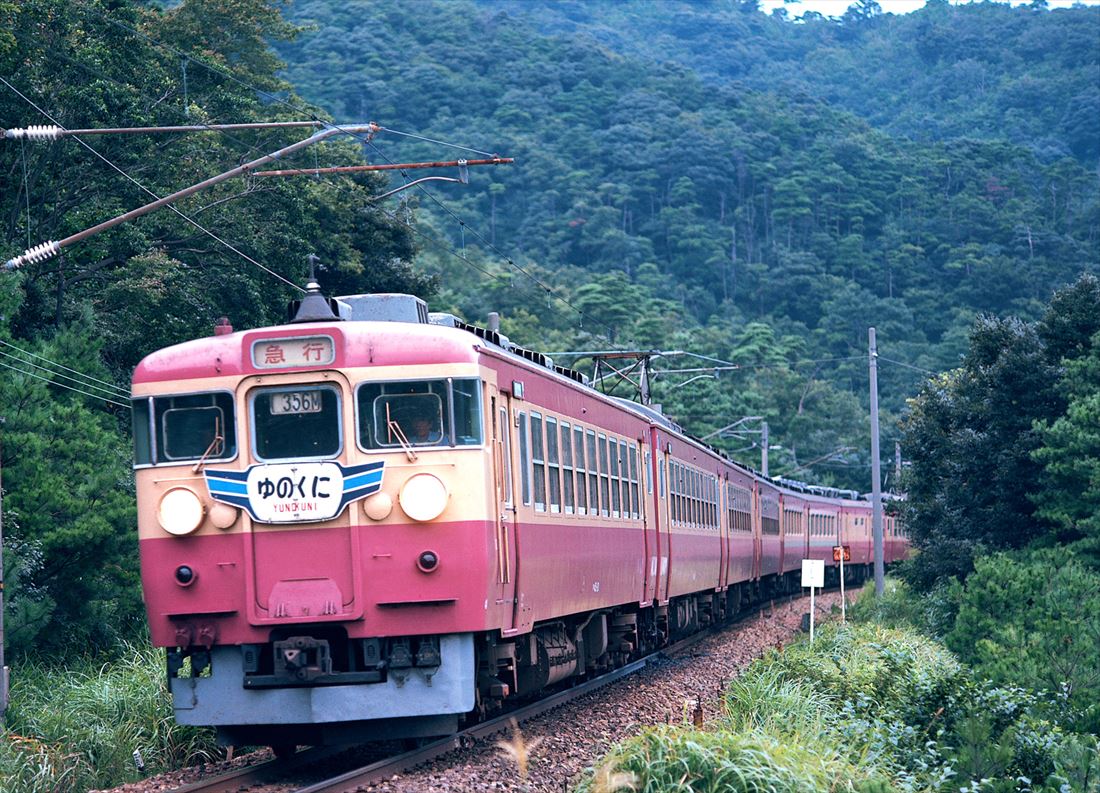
(359, 529)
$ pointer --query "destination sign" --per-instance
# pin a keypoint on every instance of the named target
(297, 352)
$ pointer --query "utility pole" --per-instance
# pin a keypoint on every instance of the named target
(897, 467)
(876, 472)
(3, 667)
(764, 448)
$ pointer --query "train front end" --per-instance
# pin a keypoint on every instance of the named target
(314, 529)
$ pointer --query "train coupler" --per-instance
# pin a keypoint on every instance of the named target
(302, 658)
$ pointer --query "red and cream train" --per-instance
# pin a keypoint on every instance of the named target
(375, 525)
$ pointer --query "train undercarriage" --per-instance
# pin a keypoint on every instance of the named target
(297, 688)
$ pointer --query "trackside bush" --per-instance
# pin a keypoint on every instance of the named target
(682, 759)
(872, 668)
(1034, 621)
(866, 709)
(75, 729)
(932, 614)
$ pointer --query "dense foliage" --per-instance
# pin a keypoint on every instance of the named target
(755, 221)
(870, 709)
(80, 732)
(974, 70)
(71, 563)
(1035, 622)
(1005, 449)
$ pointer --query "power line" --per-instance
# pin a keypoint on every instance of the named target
(440, 142)
(158, 101)
(549, 290)
(62, 385)
(183, 215)
(906, 365)
(85, 380)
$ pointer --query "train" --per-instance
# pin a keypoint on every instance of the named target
(377, 522)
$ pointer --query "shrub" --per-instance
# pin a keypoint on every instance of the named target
(77, 728)
(893, 672)
(682, 759)
(932, 613)
(1034, 621)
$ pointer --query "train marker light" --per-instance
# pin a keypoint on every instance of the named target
(185, 576)
(378, 507)
(223, 516)
(428, 561)
(180, 511)
(423, 497)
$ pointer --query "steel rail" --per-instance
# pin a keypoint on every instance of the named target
(384, 769)
(274, 770)
(261, 773)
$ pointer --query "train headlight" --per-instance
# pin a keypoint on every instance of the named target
(423, 497)
(180, 511)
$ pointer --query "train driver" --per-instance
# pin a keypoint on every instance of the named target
(422, 421)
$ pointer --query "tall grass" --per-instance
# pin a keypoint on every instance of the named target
(76, 727)
(682, 759)
(853, 712)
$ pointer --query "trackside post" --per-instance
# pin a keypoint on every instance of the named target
(842, 554)
(813, 576)
(3, 668)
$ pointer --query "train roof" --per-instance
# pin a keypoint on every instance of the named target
(394, 330)
(354, 344)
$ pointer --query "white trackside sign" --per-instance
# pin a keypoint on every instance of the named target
(813, 573)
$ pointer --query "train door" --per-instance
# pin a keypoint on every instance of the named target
(782, 534)
(721, 499)
(648, 517)
(664, 550)
(505, 508)
(757, 540)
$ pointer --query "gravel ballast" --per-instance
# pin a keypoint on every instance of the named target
(559, 745)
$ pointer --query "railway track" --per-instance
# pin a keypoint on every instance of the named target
(277, 771)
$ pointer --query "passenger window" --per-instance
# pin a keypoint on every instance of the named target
(605, 498)
(552, 464)
(524, 459)
(582, 486)
(538, 463)
(593, 475)
(567, 467)
(445, 412)
(615, 492)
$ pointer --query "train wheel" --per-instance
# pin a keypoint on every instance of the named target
(283, 750)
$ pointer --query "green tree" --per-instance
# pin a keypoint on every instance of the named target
(1034, 621)
(969, 437)
(1069, 491)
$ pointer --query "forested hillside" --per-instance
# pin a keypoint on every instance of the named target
(982, 69)
(693, 176)
(688, 177)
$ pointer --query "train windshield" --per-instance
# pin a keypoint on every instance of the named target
(297, 422)
(172, 429)
(444, 412)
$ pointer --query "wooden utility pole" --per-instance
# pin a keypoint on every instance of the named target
(3, 667)
(876, 472)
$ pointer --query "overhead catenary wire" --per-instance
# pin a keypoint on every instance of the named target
(53, 374)
(158, 101)
(548, 290)
(36, 253)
